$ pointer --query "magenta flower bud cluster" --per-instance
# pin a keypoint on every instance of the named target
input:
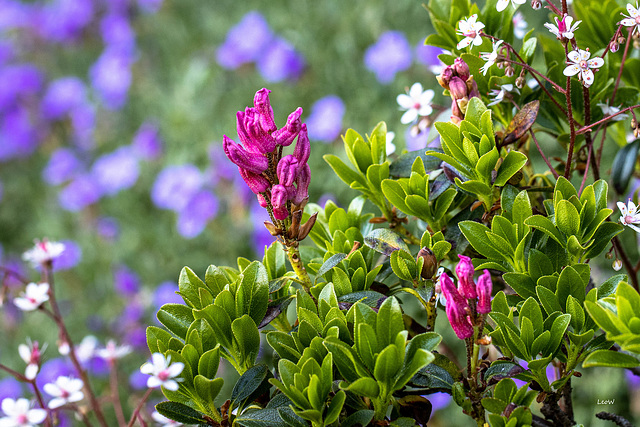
(468, 293)
(459, 82)
(277, 180)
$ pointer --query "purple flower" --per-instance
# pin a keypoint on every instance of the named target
(63, 96)
(125, 281)
(137, 338)
(280, 62)
(439, 401)
(197, 213)
(165, 293)
(147, 143)
(69, 258)
(52, 369)
(108, 228)
(132, 313)
(138, 380)
(7, 52)
(325, 121)
(116, 171)
(389, 55)
(25, 79)
(220, 168)
(457, 308)
(19, 136)
(15, 14)
(117, 33)
(150, 6)
(63, 166)
(111, 77)
(63, 20)
(10, 387)
(416, 141)
(79, 193)
(260, 236)
(428, 56)
(175, 186)
(83, 120)
(245, 42)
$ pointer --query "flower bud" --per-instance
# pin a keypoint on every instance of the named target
(464, 271)
(263, 107)
(617, 265)
(260, 139)
(461, 68)
(302, 185)
(509, 71)
(458, 88)
(303, 146)
(634, 123)
(458, 316)
(520, 82)
(484, 288)
(262, 201)
(536, 4)
(286, 134)
(614, 46)
(256, 183)
(253, 162)
(429, 264)
(279, 202)
(445, 77)
(621, 39)
(288, 168)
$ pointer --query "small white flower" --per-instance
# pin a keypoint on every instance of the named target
(502, 4)
(162, 371)
(391, 147)
(617, 265)
(64, 390)
(470, 29)
(19, 414)
(563, 28)
(112, 351)
(31, 354)
(34, 296)
(86, 350)
(519, 25)
(580, 63)
(629, 215)
(610, 111)
(164, 421)
(43, 251)
(490, 57)
(633, 20)
(498, 94)
(417, 103)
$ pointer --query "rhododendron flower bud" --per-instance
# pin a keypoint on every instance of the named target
(458, 88)
(458, 316)
(445, 77)
(262, 201)
(261, 140)
(461, 68)
(263, 106)
(279, 197)
(484, 288)
(252, 162)
(256, 183)
(450, 292)
(286, 134)
(302, 182)
(288, 168)
(429, 263)
(303, 147)
(464, 271)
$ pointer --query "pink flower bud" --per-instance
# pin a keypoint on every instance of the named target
(279, 195)
(458, 88)
(263, 106)
(484, 288)
(262, 201)
(464, 271)
(445, 77)
(252, 162)
(461, 68)
(303, 147)
(302, 183)
(288, 168)
(260, 139)
(286, 134)
(450, 292)
(256, 183)
(458, 316)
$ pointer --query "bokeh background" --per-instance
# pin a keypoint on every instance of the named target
(111, 121)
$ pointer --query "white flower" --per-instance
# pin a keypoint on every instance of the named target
(633, 20)
(490, 57)
(34, 296)
(112, 351)
(610, 111)
(162, 371)
(498, 94)
(502, 4)
(470, 29)
(43, 251)
(519, 25)
(19, 414)
(86, 350)
(391, 147)
(629, 215)
(417, 103)
(64, 390)
(164, 421)
(617, 265)
(563, 28)
(31, 354)
(580, 63)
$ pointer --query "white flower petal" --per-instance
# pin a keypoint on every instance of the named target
(502, 5)
(416, 91)
(464, 43)
(170, 385)
(8, 406)
(568, 20)
(571, 70)
(175, 369)
(634, 227)
(153, 382)
(628, 22)
(587, 77)
(52, 390)
(409, 116)
(574, 56)
(632, 208)
(56, 402)
(595, 62)
(24, 304)
(568, 35)
(31, 371)
(404, 101)
(36, 416)
(478, 40)
(147, 368)
(519, 1)
(584, 54)
(158, 361)
(425, 110)
(76, 396)
(623, 208)
(632, 10)
(426, 97)
(25, 352)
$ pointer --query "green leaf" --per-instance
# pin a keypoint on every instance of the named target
(335, 407)
(610, 358)
(487, 163)
(545, 225)
(208, 363)
(366, 386)
(359, 418)
(531, 310)
(180, 413)
(558, 328)
(385, 241)
(475, 109)
(246, 339)
(574, 308)
(476, 234)
(252, 296)
(567, 218)
(155, 334)
(528, 49)
(624, 165)
(520, 212)
(548, 300)
(512, 163)
(330, 263)
(602, 238)
(344, 172)
(388, 364)
(188, 284)
(207, 389)
(523, 284)
(177, 318)
(253, 383)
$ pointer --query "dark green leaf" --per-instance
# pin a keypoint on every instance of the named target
(180, 413)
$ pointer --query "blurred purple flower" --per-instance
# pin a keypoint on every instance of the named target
(150, 6)
(260, 236)
(83, 120)
(325, 121)
(416, 141)
(69, 258)
(111, 77)
(220, 167)
(98, 366)
(197, 213)
(137, 338)
(116, 171)
(389, 55)
(246, 41)
(64, 20)
(63, 96)
(15, 14)
(16, 265)
(62, 166)
(428, 56)
(165, 293)
(322, 201)
(52, 369)
(26, 79)
(10, 387)
(6, 51)
(132, 313)
(632, 379)
(175, 186)
(280, 62)
(108, 228)
(117, 33)
(439, 401)
(125, 281)
(138, 380)
(79, 193)
(19, 136)
(147, 143)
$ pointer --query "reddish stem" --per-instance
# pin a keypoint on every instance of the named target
(132, 420)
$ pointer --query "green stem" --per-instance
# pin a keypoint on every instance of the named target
(298, 267)
(406, 233)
